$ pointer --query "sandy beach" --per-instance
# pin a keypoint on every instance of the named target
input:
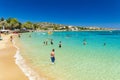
(8, 69)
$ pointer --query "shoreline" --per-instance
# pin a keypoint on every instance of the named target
(27, 70)
(8, 69)
(31, 72)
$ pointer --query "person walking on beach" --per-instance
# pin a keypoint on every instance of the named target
(60, 45)
(0, 34)
(52, 54)
(11, 38)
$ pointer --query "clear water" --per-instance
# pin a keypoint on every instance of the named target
(74, 61)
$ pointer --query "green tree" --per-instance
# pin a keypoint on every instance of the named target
(8, 20)
(67, 28)
(27, 25)
(13, 23)
(35, 26)
(2, 19)
(3, 23)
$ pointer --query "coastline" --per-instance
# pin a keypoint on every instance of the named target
(74, 30)
(27, 70)
(8, 69)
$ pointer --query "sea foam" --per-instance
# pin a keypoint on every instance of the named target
(29, 72)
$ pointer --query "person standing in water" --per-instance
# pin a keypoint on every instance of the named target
(60, 45)
(84, 42)
(51, 41)
(46, 42)
(29, 35)
(52, 54)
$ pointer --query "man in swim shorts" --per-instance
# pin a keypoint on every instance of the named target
(52, 54)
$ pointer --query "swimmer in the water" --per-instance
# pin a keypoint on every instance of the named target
(104, 44)
(51, 42)
(60, 44)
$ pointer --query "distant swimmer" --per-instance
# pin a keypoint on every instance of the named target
(60, 44)
(29, 35)
(51, 42)
(84, 43)
(52, 54)
(46, 42)
(104, 44)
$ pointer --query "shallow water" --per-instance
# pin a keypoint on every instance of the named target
(97, 60)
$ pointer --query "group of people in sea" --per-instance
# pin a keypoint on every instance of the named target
(52, 54)
(50, 41)
(85, 42)
(60, 45)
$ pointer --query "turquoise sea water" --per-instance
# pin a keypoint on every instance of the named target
(74, 61)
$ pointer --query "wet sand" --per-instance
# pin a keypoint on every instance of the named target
(8, 69)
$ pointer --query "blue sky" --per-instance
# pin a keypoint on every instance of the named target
(104, 13)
